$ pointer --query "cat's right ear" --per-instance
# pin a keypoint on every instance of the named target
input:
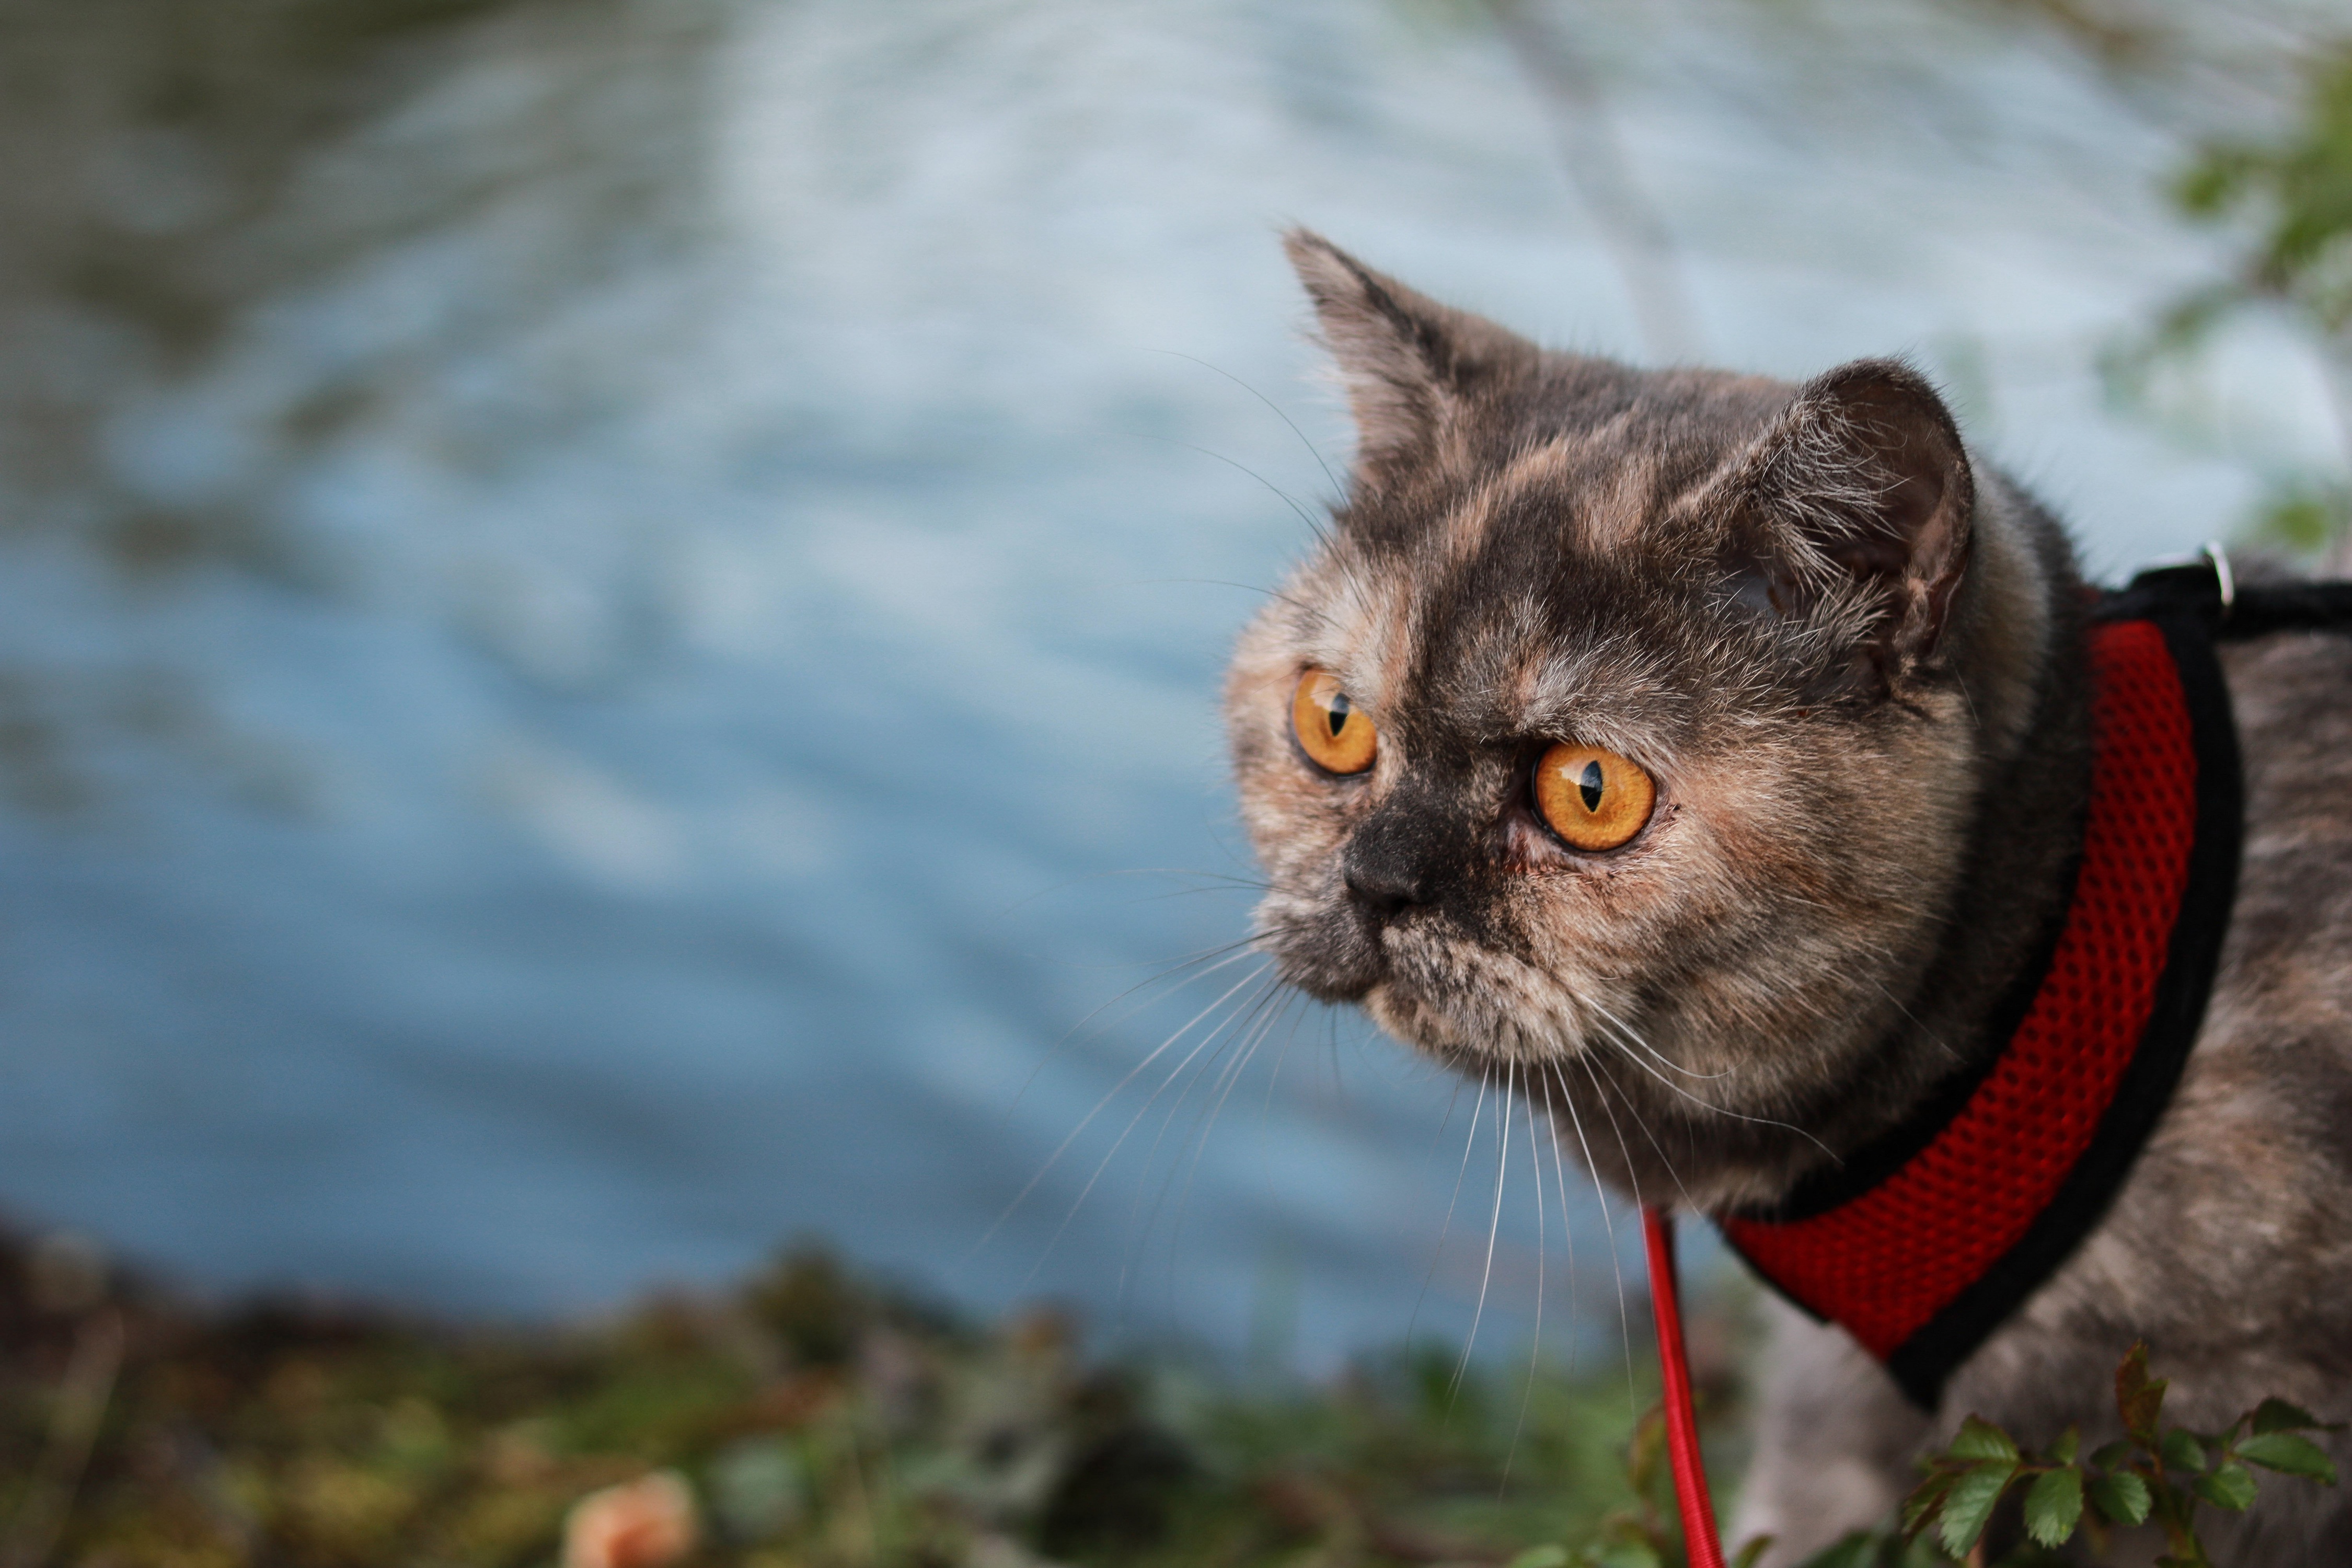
(1410, 364)
(1854, 515)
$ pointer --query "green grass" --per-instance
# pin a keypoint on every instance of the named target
(818, 1421)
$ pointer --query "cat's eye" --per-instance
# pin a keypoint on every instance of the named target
(1594, 799)
(1334, 732)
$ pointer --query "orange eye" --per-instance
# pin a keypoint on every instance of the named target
(1594, 799)
(1333, 731)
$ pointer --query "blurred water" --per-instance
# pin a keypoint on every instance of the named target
(613, 608)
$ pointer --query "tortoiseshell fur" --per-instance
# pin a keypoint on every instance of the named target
(1851, 659)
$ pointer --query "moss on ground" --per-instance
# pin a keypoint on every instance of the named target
(818, 1422)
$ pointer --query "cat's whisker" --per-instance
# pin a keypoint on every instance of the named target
(1313, 451)
(1188, 893)
(1485, 1078)
(1256, 884)
(1609, 1223)
(1624, 1153)
(1934, 1039)
(1567, 1230)
(1535, 1350)
(1287, 996)
(1315, 525)
(1132, 1122)
(1600, 1088)
(1225, 954)
(1259, 589)
(1627, 1030)
(1223, 957)
(1493, 1225)
(1719, 1109)
(1248, 1029)
(1274, 1078)
(1101, 1105)
(1240, 1026)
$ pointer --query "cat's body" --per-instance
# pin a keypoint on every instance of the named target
(2230, 1246)
(1851, 661)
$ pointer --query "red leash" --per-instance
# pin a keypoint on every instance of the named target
(1698, 1509)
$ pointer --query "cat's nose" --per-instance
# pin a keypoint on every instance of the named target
(1382, 892)
(1381, 880)
(1393, 860)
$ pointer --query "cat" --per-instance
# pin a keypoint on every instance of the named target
(1705, 757)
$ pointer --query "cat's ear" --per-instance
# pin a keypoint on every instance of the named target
(1856, 511)
(1410, 364)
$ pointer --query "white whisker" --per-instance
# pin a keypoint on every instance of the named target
(1232, 952)
(1240, 1024)
(1255, 975)
(1445, 1229)
(1609, 1221)
(1535, 1350)
(1493, 1225)
(1719, 1109)
(1627, 1031)
(1284, 997)
(1567, 1230)
(1600, 1091)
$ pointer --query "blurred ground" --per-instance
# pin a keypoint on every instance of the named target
(812, 1418)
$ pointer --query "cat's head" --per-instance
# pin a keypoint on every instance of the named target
(1620, 713)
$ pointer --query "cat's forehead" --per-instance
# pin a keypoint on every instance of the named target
(1555, 568)
(1484, 648)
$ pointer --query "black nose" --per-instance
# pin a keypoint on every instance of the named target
(1391, 861)
(1383, 890)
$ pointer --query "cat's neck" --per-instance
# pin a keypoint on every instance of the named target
(2019, 654)
(2024, 667)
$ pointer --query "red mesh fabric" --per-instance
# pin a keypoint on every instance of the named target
(1884, 1263)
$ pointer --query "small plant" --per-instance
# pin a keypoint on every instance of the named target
(1647, 1534)
(2153, 1472)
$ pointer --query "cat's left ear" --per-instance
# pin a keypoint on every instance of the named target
(1413, 368)
(1858, 507)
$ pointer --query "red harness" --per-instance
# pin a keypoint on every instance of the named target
(1923, 1243)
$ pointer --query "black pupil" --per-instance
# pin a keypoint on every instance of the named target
(1336, 714)
(1589, 786)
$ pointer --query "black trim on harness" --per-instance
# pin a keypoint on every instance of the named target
(1922, 1362)
(2194, 608)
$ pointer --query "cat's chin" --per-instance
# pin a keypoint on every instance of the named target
(1452, 1035)
(1415, 1022)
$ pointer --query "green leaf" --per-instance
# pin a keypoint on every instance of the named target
(2288, 1454)
(2053, 1505)
(1980, 1439)
(2181, 1451)
(1549, 1555)
(1927, 1498)
(2230, 1487)
(1970, 1502)
(2139, 1398)
(2278, 1415)
(2065, 1448)
(2121, 1498)
(1759, 1544)
(2112, 1455)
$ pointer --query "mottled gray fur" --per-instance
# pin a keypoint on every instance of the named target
(1853, 659)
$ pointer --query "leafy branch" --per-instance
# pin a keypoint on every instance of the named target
(2292, 196)
(2154, 1472)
